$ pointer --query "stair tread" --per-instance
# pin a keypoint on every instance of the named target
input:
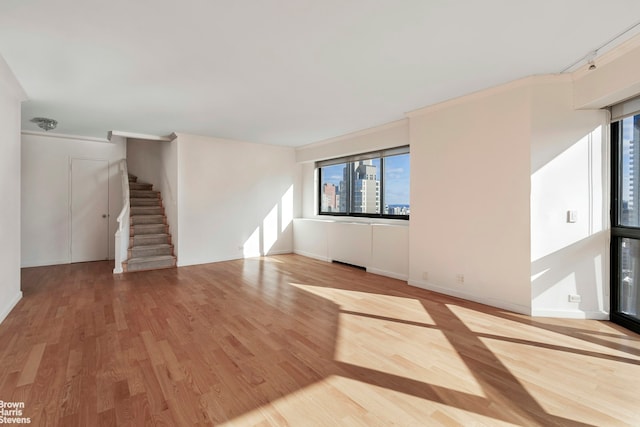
(147, 220)
(150, 258)
(143, 194)
(149, 225)
(135, 209)
(154, 246)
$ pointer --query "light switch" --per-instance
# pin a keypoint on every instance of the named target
(572, 216)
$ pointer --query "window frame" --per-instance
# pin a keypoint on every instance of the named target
(619, 231)
(348, 161)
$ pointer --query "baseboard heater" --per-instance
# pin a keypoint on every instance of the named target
(359, 267)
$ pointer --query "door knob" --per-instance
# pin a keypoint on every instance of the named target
(104, 215)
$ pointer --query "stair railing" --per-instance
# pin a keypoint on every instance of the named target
(122, 235)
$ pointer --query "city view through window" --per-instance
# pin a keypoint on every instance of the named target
(629, 216)
(373, 187)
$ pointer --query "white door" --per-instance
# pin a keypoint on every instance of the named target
(89, 210)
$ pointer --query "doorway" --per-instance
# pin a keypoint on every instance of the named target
(89, 210)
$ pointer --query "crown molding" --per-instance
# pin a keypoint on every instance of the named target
(356, 134)
(64, 136)
(133, 135)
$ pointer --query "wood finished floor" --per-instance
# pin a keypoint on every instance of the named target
(288, 340)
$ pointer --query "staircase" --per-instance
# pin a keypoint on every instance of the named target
(150, 245)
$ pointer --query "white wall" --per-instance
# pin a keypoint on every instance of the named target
(11, 95)
(169, 188)
(309, 198)
(235, 199)
(568, 172)
(470, 184)
(144, 160)
(45, 193)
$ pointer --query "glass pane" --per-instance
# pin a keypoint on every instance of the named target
(333, 189)
(365, 184)
(396, 185)
(629, 277)
(630, 172)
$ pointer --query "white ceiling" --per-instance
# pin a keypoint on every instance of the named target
(285, 72)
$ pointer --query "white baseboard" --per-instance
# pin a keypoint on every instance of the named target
(493, 302)
(28, 264)
(4, 311)
(386, 273)
(571, 314)
(310, 255)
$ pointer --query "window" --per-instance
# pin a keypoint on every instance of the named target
(370, 184)
(331, 200)
(625, 214)
(625, 222)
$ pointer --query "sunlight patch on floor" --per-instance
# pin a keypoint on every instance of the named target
(533, 366)
(478, 321)
(338, 400)
(409, 351)
(394, 307)
(602, 338)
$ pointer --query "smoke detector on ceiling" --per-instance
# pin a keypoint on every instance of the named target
(44, 123)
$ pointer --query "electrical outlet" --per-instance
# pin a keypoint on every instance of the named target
(460, 278)
(425, 276)
(574, 298)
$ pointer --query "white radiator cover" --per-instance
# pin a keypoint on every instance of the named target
(380, 248)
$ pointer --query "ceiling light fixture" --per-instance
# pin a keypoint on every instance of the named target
(44, 123)
(591, 59)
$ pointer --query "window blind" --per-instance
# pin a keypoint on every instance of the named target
(365, 156)
(625, 109)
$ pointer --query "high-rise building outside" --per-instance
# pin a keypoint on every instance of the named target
(630, 215)
(396, 210)
(633, 196)
(366, 187)
(330, 199)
